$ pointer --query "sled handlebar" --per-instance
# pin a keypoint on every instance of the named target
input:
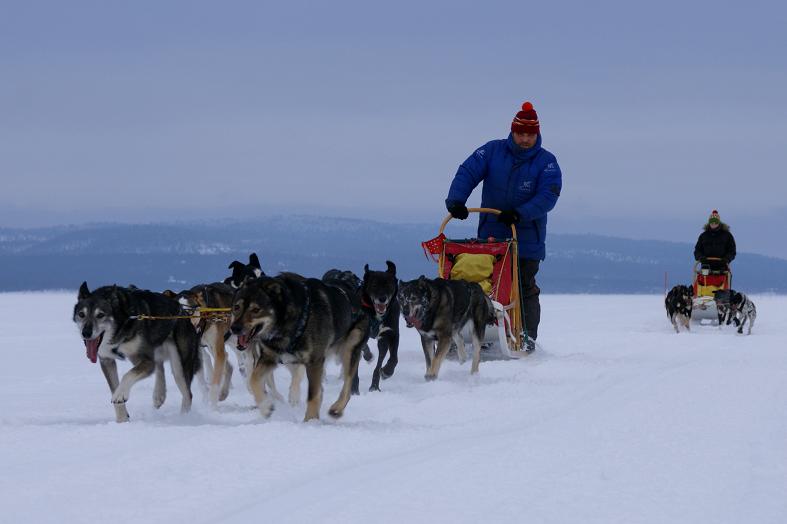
(727, 271)
(699, 262)
(477, 210)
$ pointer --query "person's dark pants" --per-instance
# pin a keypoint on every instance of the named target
(531, 307)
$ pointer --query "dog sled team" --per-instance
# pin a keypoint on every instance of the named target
(711, 297)
(288, 319)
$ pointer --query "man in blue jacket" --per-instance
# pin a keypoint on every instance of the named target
(523, 180)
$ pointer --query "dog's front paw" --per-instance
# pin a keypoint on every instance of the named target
(121, 414)
(224, 392)
(367, 353)
(374, 387)
(355, 388)
(119, 396)
(388, 369)
(266, 409)
(335, 412)
(430, 377)
(185, 404)
(158, 398)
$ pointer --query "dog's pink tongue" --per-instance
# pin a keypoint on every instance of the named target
(243, 341)
(380, 308)
(91, 348)
(414, 321)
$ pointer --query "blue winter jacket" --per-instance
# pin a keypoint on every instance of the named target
(525, 180)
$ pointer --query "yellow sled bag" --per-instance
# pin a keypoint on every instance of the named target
(474, 268)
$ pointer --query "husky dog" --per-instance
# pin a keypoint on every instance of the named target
(678, 304)
(440, 309)
(292, 319)
(378, 299)
(241, 271)
(247, 360)
(107, 321)
(741, 309)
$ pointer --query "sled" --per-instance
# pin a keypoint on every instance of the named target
(705, 282)
(507, 336)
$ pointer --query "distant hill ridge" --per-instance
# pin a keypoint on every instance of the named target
(176, 255)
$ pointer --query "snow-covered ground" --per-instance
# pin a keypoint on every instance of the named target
(618, 419)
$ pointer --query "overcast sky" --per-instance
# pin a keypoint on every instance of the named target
(147, 111)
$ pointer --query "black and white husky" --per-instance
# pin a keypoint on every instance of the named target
(740, 308)
(440, 309)
(678, 304)
(108, 322)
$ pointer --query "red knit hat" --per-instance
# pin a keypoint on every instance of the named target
(526, 121)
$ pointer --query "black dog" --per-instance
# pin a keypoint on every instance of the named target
(678, 304)
(241, 271)
(378, 299)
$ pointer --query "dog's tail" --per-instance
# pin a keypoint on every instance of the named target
(187, 341)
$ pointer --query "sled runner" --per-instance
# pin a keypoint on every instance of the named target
(494, 264)
(706, 281)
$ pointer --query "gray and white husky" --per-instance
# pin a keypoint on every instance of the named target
(440, 310)
(107, 319)
(740, 309)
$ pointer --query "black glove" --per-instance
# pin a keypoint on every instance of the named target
(457, 210)
(508, 217)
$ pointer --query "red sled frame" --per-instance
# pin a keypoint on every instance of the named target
(505, 278)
